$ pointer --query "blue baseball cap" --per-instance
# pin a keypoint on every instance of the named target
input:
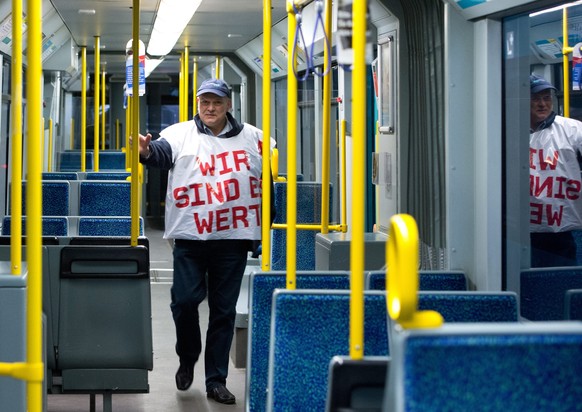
(539, 84)
(215, 86)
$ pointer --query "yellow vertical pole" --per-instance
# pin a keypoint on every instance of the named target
(16, 132)
(83, 107)
(103, 111)
(194, 87)
(358, 180)
(135, 129)
(72, 133)
(566, 51)
(32, 370)
(266, 181)
(96, 94)
(326, 123)
(291, 152)
(217, 64)
(181, 89)
(117, 134)
(50, 147)
(42, 141)
(34, 207)
(344, 196)
(185, 90)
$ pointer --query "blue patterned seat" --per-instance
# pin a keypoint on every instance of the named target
(51, 226)
(59, 176)
(107, 175)
(428, 280)
(486, 367)
(111, 160)
(55, 198)
(470, 306)
(262, 286)
(308, 212)
(309, 328)
(70, 161)
(104, 198)
(107, 226)
(543, 291)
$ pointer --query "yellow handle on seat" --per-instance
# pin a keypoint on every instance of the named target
(402, 276)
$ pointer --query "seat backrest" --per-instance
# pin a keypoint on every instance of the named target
(308, 211)
(486, 366)
(70, 161)
(309, 328)
(470, 306)
(55, 197)
(104, 198)
(105, 308)
(427, 280)
(107, 226)
(51, 226)
(112, 160)
(543, 291)
(262, 286)
(107, 175)
(59, 176)
(573, 304)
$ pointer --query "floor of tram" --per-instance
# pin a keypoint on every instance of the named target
(163, 395)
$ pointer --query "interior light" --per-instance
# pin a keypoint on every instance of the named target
(563, 6)
(151, 64)
(172, 18)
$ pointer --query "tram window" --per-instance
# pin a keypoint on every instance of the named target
(541, 35)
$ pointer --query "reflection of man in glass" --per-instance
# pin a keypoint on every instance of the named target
(555, 181)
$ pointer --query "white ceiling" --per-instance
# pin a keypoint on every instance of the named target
(206, 34)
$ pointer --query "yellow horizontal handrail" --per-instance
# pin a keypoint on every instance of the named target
(26, 371)
(310, 226)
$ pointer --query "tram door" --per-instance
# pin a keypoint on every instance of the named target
(385, 164)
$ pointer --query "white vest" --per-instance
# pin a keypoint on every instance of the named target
(214, 187)
(555, 182)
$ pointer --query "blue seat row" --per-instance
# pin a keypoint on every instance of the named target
(85, 175)
(427, 280)
(80, 226)
(70, 161)
(83, 198)
(263, 376)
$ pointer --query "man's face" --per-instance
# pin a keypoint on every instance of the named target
(212, 109)
(541, 106)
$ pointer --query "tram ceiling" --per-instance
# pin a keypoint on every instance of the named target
(218, 27)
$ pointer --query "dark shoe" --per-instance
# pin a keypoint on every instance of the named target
(184, 377)
(222, 395)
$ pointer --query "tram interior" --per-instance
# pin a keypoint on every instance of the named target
(454, 305)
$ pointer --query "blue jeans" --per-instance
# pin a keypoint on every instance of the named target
(213, 267)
